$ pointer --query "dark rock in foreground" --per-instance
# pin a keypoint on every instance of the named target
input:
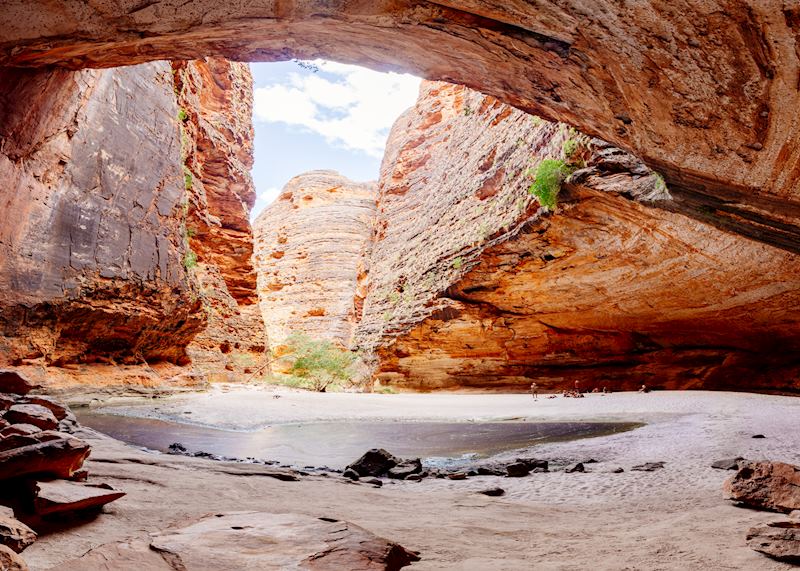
(374, 462)
(771, 486)
(517, 470)
(14, 382)
(13, 533)
(575, 468)
(56, 454)
(778, 540)
(286, 541)
(493, 492)
(405, 469)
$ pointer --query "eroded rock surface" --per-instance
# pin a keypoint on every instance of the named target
(253, 540)
(778, 540)
(771, 486)
(309, 245)
(472, 288)
(704, 90)
(91, 261)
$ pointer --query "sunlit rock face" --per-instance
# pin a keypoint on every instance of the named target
(90, 227)
(705, 91)
(124, 235)
(309, 245)
(470, 285)
(215, 100)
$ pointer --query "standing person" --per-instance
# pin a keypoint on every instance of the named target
(577, 388)
(535, 391)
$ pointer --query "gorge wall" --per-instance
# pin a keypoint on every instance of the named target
(309, 245)
(93, 229)
(472, 285)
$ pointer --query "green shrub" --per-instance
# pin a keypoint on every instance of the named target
(188, 179)
(182, 115)
(319, 364)
(569, 147)
(189, 260)
(547, 181)
(457, 263)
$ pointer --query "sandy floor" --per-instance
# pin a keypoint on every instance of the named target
(673, 518)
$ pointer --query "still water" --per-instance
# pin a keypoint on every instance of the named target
(337, 444)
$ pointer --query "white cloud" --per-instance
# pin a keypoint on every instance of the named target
(264, 199)
(354, 109)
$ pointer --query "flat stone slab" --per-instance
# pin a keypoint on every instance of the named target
(59, 496)
(57, 454)
(778, 540)
(251, 541)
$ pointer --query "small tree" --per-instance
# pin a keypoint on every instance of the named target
(318, 363)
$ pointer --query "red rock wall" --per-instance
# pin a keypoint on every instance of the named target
(309, 243)
(91, 257)
(100, 231)
(215, 99)
(607, 290)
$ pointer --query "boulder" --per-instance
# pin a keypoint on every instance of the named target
(10, 560)
(535, 464)
(517, 470)
(494, 492)
(251, 540)
(778, 540)
(727, 463)
(413, 478)
(374, 481)
(350, 474)
(63, 496)
(59, 410)
(14, 382)
(490, 471)
(575, 468)
(25, 429)
(34, 414)
(7, 401)
(13, 533)
(405, 469)
(648, 467)
(771, 486)
(56, 454)
(16, 441)
(375, 462)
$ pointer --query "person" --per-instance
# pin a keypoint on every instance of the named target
(535, 391)
(577, 387)
(644, 389)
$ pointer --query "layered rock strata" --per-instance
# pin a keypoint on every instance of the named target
(126, 233)
(91, 255)
(215, 99)
(309, 244)
(704, 90)
(472, 285)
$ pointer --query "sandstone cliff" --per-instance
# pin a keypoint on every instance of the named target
(113, 193)
(91, 264)
(470, 285)
(215, 99)
(309, 243)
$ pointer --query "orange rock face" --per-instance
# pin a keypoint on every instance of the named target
(607, 290)
(215, 99)
(309, 244)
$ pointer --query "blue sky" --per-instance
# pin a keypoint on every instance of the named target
(332, 116)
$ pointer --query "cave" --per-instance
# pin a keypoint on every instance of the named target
(655, 281)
